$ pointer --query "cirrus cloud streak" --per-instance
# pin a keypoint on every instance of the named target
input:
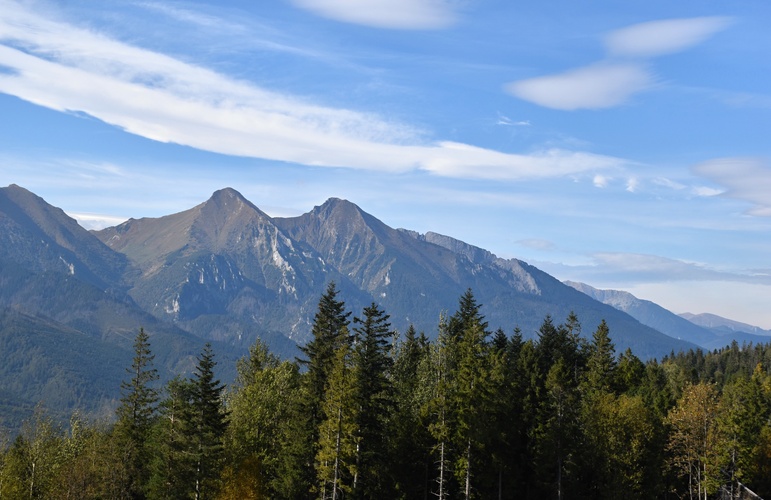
(393, 14)
(621, 268)
(745, 179)
(152, 95)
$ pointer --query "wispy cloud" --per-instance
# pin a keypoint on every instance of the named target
(745, 179)
(632, 268)
(537, 244)
(152, 95)
(393, 14)
(624, 73)
(189, 16)
(592, 87)
(657, 38)
(600, 181)
(508, 122)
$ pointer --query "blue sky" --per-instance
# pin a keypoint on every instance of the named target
(622, 144)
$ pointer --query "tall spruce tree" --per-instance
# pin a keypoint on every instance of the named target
(172, 464)
(338, 433)
(472, 379)
(329, 333)
(209, 423)
(135, 415)
(375, 396)
(601, 364)
(410, 439)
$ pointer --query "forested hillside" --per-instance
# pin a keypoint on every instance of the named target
(367, 413)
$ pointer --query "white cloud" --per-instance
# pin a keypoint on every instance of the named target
(632, 184)
(668, 183)
(192, 17)
(667, 36)
(395, 14)
(746, 179)
(600, 181)
(96, 221)
(461, 160)
(505, 120)
(537, 244)
(592, 87)
(161, 98)
(613, 81)
(621, 268)
(706, 191)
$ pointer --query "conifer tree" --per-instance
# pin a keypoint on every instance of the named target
(557, 430)
(329, 333)
(436, 408)
(410, 440)
(743, 411)
(601, 364)
(209, 422)
(339, 436)
(172, 464)
(135, 414)
(375, 397)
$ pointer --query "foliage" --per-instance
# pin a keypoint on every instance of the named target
(467, 415)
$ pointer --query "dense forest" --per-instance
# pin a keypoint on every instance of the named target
(370, 413)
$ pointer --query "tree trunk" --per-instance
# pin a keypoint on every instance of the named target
(468, 469)
(337, 452)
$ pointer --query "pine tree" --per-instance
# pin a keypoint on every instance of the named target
(557, 430)
(601, 364)
(436, 409)
(328, 335)
(410, 440)
(339, 436)
(743, 411)
(172, 464)
(209, 422)
(375, 397)
(330, 332)
(135, 414)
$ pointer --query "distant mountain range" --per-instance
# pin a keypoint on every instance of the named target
(706, 330)
(71, 301)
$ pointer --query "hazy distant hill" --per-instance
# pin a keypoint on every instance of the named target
(729, 329)
(706, 330)
(227, 272)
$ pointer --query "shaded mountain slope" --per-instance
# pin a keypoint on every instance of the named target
(68, 324)
(40, 237)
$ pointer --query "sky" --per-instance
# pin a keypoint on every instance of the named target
(626, 145)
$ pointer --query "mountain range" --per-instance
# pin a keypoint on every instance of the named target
(706, 330)
(225, 272)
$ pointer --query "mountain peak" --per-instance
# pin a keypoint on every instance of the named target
(46, 238)
(227, 193)
(228, 200)
(336, 207)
